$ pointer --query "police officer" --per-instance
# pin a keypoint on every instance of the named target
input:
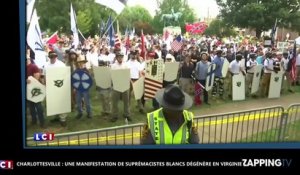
(171, 124)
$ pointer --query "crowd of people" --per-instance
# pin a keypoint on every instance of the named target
(195, 56)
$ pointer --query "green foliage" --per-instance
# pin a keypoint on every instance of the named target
(55, 15)
(220, 28)
(165, 6)
(137, 17)
(259, 14)
(84, 21)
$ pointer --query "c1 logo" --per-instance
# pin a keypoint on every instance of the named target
(6, 164)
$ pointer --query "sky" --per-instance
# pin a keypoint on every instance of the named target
(201, 7)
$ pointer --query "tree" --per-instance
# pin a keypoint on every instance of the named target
(165, 7)
(259, 15)
(295, 23)
(55, 15)
(137, 17)
(84, 21)
(220, 28)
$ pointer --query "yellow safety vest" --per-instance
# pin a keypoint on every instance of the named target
(161, 131)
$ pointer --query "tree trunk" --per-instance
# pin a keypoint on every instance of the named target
(258, 33)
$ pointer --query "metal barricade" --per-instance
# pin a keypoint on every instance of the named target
(291, 124)
(120, 135)
(263, 125)
(251, 126)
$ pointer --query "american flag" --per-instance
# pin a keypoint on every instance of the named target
(293, 59)
(177, 43)
(151, 87)
(117, 41)
(153, 78)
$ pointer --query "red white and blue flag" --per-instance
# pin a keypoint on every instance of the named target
(177, 44)
(293, 59)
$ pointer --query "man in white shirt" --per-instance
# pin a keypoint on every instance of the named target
(119, 64)
(268, 69)
(135, 73)
(92, 57)
(284, 65)
(54, 62)
(251, 64)
(235, 68)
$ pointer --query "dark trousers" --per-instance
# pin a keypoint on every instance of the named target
(205, 94)
(36, 111)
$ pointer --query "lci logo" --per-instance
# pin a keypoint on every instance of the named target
(43, 136)
(6, 164)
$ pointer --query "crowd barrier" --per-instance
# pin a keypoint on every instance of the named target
(263, 125)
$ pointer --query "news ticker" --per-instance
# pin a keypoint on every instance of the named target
(9, 164)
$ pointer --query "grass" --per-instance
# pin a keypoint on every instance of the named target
(97, 121)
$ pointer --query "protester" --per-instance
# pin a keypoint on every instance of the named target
(54, 62)
(84, 94)
(119, 64)
(36, 109)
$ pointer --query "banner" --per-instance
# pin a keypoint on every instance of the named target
(196, 28)
(34, 41)
(115, 5)
(282, 46)
(74, 27)
(58, 90)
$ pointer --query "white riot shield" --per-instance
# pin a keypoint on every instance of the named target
(256, 78)
(120, 79)
(155, 69)
(225, 68)
(58, 90)
(275, 85)
(153, 77)
(36, 92)
(138, 88)
(238, 87)
(171, 71)
(102, 77)
(210, 77)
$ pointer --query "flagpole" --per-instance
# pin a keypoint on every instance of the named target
(81, 34)
(110, 25)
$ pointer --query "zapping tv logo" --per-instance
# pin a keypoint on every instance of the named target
(6, 164)
(267, 162)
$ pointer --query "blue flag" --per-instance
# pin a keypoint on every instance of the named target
(111, 32)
